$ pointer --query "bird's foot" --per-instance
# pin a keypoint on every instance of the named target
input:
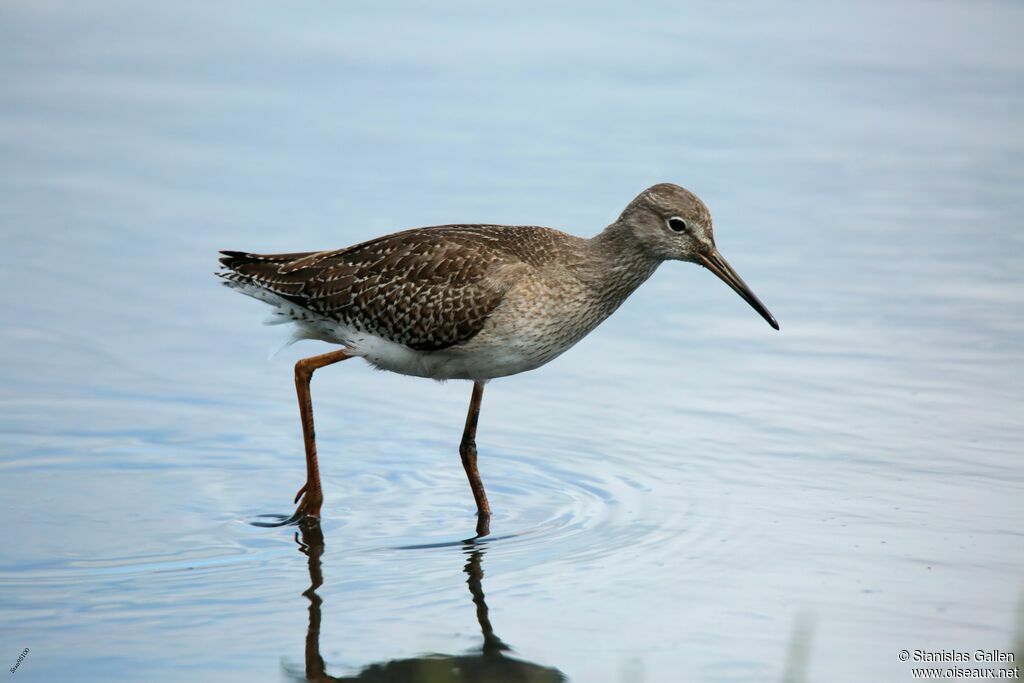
(309, 500)
(483, 524)
(307, 513)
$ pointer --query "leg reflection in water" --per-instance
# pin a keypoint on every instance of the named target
(489, 665)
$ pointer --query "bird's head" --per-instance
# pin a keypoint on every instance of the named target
(673, 224)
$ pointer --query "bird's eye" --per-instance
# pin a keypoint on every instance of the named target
(676, 224)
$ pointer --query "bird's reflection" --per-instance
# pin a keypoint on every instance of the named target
(490, 665)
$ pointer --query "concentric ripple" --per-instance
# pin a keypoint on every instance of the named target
(553, 499)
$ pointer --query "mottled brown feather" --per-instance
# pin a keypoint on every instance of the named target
(427, 288)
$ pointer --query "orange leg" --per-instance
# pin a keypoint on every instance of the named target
(467, 449)
(311, 493)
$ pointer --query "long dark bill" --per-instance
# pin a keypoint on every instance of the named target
(720, 267)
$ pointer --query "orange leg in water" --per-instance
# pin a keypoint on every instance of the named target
(311, 494)
(467, 449)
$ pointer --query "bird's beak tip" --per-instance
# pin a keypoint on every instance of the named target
(714, 262)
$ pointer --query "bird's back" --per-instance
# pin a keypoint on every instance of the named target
(427, 288)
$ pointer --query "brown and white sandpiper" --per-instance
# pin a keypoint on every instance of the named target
(471, 302)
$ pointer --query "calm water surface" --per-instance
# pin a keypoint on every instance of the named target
(686, 495)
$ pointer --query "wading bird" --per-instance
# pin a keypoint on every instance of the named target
(471, 302)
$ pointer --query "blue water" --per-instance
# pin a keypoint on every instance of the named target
(686, 495)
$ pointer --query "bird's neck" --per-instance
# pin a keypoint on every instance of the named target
(618, 264)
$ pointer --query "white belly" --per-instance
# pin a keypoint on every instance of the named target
(473, 361)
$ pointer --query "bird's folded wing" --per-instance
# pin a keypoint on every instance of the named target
(428, 289)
